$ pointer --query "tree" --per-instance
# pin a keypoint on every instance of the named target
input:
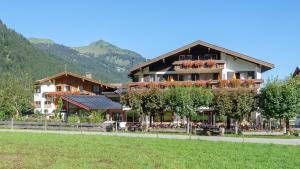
(145, 102)
(235, 104)
(224, 104)
(16, 93)
(153, 102)
(185, 101)
(59, 108)
(280, 99)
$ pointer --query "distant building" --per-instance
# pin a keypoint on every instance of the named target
(297, 71)
(68, 86)
(297, 120)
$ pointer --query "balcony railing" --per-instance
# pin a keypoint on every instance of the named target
(251, 83)
(198, 66)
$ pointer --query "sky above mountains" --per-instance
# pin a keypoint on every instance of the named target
(267, 30)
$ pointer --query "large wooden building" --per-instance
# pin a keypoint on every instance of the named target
(200, 64)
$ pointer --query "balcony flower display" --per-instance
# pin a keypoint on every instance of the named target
(235, 82)
(211, 63)
(198, 63)
(200, 83)
(249, 82)
(224, 83)
(188, 64)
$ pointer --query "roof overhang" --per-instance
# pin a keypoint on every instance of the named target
(47, 79)
(265, 65)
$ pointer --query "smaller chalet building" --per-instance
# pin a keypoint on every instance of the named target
(76, 91)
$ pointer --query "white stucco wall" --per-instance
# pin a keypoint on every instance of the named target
(40, 97)
(237, 65)
(231, 65)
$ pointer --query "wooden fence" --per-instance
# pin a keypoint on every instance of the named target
(56, 126)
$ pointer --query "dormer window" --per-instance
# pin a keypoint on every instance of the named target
(58, 88)
(37, 89)
(67, 88)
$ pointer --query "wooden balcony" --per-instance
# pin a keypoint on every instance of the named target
(199, 66)
(214, 84)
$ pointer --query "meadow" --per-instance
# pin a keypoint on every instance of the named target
(34, 150)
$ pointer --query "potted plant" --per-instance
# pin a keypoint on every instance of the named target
(224, 83)
(210, 63)
(235, 82)
(199, 63)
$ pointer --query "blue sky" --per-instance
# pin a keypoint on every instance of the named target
(267, 30)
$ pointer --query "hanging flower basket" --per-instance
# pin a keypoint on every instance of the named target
(235, 82)
(210, 63)
(200, 83)
(198, 63)
(224, 83)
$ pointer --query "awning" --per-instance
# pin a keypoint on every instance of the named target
(88, 102)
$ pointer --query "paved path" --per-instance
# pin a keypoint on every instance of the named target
(171, 136)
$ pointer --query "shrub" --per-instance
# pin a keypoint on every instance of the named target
(73, 119)
(96, 117)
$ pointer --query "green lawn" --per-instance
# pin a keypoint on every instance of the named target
(32, 150)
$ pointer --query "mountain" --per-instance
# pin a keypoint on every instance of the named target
(18, 55)
(44, 57)
(121, 58)
(105, 61)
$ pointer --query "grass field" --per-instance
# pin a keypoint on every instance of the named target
(32, 150)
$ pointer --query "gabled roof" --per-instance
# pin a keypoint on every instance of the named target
(266, 65)
(74, 75)
(297, 71)
(88, 102)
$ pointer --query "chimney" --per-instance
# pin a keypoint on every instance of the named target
(88, 75)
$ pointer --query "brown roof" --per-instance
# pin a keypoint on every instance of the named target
(297, 71)
(74, 75)
(227, 51)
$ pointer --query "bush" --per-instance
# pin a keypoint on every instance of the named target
(73, 119)
(96, 117)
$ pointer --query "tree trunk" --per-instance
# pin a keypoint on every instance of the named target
(188, 125)
(236, 127)
(228, 122)
(151, 116)
(280, 125)
(270, 124)
(287, 125)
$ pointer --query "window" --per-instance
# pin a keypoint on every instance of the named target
(135, 78)
(230, 75)
(47, 104)
(81, 88)
(37, 104)
(160, 78)
(58, 88)
(206, 76)
(149, 78)
(37, 89)
(187, 77)
(67, 88)
(96, 89)
(185, 57)
(251, 75)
